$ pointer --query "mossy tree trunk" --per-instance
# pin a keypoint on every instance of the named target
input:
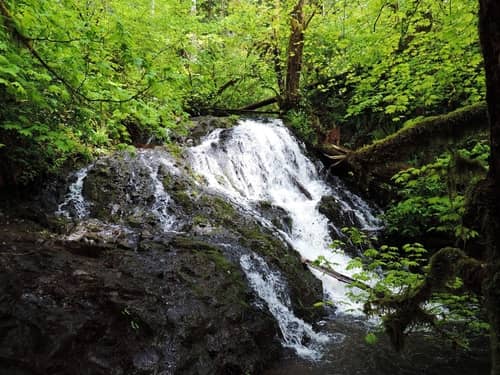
(291, 95)
(489, 32)
(289, 80)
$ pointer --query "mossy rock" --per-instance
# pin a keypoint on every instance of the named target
(305, 289)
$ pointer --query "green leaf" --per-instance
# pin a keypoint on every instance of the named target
(371, 338)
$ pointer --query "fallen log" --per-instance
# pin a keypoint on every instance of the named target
(337, 275)
(260, 104)
(231, 111)
(372, 166)
(422, 134)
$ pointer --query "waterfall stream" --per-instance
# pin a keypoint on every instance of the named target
(253, 163)
(74, 203)
(262, 162)
(153, 161)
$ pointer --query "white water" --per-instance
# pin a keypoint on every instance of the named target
(257, 162)
(153, 161)
(74, 203)
(76, 206)
(263, 162)
(271, 287)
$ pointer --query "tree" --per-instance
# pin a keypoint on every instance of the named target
(480, 271)
(488, 193)
(298, 24)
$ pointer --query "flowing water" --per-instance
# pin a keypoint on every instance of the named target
(74, 204)
(272, 288)
(261, 162)
(153, 161)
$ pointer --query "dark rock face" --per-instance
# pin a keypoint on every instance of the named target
(181, 308)
(204, 125)
(332, 209)
(278, 216)
(119, 190)
(338, 219)
(118, 295)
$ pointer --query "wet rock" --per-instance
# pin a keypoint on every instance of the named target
(119, 294)
(61, 313)
(91, 237)
(202, 126)
(127, 189)
(277, 215)
(336, 214)
(339, 218)
(146, 360)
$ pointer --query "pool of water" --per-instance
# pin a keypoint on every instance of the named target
(424, 354)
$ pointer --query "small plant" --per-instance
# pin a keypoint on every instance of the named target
(133, 324)
(396, 273)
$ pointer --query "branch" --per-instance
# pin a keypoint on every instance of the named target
(227, 85)
(229, 111)
(306, 23)
(378, 16)
(338, 276)
(16, 34)
(259, 104)
(406, 310)
(431, 131)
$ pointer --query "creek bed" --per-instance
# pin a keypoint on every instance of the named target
(424, 354)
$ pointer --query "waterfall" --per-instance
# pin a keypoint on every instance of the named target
(149, 161)
(153, 161)
(255, 162)
(271, 287)
(250, 164)
(74, 203)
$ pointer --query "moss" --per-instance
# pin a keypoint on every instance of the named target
(183, 198)
(175, 150)
(230, 287)
(192, 244)
(220, 210)
(260, 242)
(423, 132)
(200, 220)
(167, 181)
(181, 191)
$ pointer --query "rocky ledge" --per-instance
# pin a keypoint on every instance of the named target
(113, 293)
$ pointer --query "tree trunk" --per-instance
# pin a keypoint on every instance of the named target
(489, 33)
(291, 95)
(429, 133)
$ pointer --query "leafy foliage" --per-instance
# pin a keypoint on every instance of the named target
(381, 63)
(77, 77)
(433, 196)
(79, 82)
(396, 273)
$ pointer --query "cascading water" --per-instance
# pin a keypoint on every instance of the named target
(149, 163)
(255, 162)
(249, 164)
(153, 161)
(271, 287)
(74, 204)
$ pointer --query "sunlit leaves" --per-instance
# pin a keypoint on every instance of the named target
(433, 196)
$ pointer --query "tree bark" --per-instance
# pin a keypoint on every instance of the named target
(435, 131)
(291, 95)
(260, 104)
(489, 33)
